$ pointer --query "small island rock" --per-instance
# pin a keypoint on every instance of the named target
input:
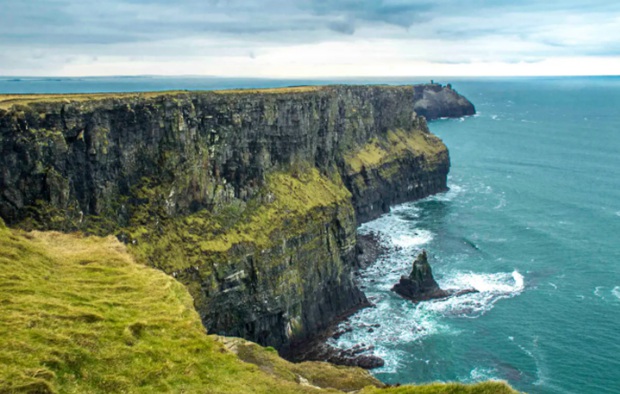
(420, 284)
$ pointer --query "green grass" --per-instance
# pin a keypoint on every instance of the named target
(9, 100)
(443, 388)
(397, 143)
(79, 315)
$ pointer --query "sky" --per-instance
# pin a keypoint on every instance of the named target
(309, 38)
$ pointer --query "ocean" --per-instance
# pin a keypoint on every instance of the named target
(532, 221)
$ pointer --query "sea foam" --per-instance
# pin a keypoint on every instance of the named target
(616, 292)
(490, 287)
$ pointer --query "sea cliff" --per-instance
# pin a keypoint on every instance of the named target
(250, 198)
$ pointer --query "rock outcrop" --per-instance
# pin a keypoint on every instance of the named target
(420, 285)
(249, 198)
(437, 101)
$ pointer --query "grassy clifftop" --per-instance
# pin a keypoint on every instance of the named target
(80, 315)
(9, 100)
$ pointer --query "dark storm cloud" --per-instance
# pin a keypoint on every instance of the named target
(65, 22)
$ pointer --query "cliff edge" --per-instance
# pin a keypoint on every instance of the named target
(250, 198)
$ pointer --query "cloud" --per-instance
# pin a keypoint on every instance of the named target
(48, 35)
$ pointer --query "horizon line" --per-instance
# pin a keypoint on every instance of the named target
(301, 77)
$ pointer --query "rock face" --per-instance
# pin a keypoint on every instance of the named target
(249, 198)
(437, 101)
(420, 284)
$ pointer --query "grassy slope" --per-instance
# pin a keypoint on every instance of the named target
(79, 315)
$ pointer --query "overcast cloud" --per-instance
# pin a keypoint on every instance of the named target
(307, 37)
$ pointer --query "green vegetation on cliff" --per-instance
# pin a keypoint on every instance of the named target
(79, 315)
(397, 143)
(283, 208)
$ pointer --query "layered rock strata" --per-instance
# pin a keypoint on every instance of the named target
(249, 198)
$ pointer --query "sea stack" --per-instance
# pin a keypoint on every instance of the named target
(420, 284)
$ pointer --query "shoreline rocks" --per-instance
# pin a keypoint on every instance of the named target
(318, 349)
(420, 285)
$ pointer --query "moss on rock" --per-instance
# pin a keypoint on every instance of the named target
(396, 144)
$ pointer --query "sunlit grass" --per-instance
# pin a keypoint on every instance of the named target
(79, 315)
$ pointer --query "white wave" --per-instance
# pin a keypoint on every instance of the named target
(407, 241)
(597, 292)
(408, 322)
(486, 283)
(616, 292)
(494, 117)
(501, 204)
(555, 287)
(450, 195)
(479, 374)
(490, 287)
(409, 208)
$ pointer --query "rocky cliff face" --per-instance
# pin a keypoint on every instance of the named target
(249, 198)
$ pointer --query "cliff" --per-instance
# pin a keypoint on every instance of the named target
(80, 315)
(250, 198)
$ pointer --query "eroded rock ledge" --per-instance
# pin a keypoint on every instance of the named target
(250, 198)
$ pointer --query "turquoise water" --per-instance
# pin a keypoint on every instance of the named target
(532, 220)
